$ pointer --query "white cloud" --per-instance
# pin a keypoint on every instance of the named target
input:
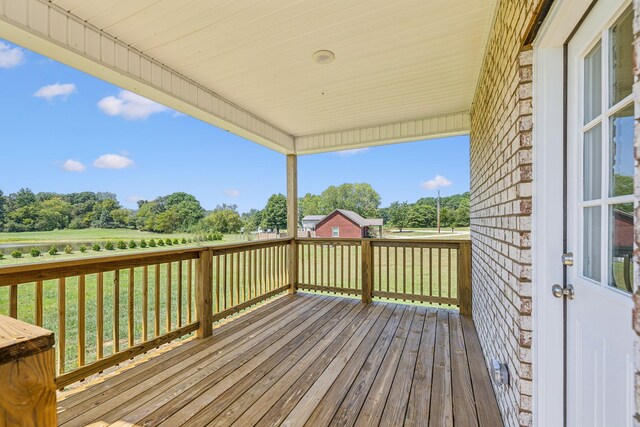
(10, 56)
(133, 199)
(73, 166)
(112, 161)
(232, 192)
(130, 106)
(51, 91)
(438, 182)
(347, 153)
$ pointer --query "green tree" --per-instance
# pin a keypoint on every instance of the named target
(224, 221)
(123, 218)
(274, 215)
(422, 216)
(399, 214)
(2, 210)
(310, 204)
(53, 214)
(251, 220)
(360, 198)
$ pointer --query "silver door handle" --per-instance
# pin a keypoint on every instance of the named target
(559, 292)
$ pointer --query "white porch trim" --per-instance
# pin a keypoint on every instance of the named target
(51, 31)
(390, 133)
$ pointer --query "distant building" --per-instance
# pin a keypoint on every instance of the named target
(309, 222)
(343, 223)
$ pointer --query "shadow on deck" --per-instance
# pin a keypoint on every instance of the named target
(305, 359)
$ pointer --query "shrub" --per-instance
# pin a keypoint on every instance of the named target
(53, 251)
(190, 241)
(35, 252)
(83, 248)
(122, 244)
(168, 242)
(68, 249)
(183, 241)
(176, 242)
(216, 236)
(109, 246)
(96, 247)
(143, 243)
(132, 245)
(1, 255)
(160, 242)
(152, 243)
(16, 254)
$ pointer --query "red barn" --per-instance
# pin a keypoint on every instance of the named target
(343, 223)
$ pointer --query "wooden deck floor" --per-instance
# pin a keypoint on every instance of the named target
(306, 360)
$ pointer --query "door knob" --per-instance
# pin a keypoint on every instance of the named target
(559, 292)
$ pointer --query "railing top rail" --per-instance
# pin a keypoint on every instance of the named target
(387, 242)
(237, 247)
(32, 272)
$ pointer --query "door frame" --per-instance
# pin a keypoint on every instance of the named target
(548, 219)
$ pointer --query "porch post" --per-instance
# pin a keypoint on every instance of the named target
(292, 219)
(204, 294)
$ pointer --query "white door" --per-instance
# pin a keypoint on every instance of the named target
(600, 203)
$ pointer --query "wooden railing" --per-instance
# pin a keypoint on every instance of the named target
(105, 310)
(429, 271)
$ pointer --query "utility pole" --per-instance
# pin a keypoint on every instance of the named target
(438, 207)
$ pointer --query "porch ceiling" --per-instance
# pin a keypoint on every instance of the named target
(404, 70)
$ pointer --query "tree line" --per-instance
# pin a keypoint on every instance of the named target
(25, 210)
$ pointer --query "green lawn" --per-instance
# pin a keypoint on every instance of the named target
(428, 233)
(81, 236)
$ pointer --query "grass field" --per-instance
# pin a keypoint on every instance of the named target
(429, 233)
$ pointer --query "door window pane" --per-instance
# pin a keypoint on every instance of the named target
(621, 149)
(591, 243)
(592, 163)
(621, 246)
(593, 83)
(621, 59)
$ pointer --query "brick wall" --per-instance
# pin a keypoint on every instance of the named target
(501, 181)
(347, 227)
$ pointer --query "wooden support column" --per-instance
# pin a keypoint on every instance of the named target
(204, 294)
(367, 271)
(292, 219)
(27, 369)
(464, 278)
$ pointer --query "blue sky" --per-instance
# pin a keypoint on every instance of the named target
(65, 131)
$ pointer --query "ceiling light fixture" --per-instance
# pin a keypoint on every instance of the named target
(323, 57)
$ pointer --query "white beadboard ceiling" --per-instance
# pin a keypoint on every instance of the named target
(397, 61)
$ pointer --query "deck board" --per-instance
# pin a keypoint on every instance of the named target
(307, 359)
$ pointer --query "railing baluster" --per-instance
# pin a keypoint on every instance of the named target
(218, 284)
(130, 314)
(62, 315)
(189, 288)
(439, 272)
(179, 302)
(39, 303)
(116, 311)
(413, 272)
(421, 271)
(430, 272)
(13, 301)
(81, 319)
(156, 297)
(388, 268)
(231, 283)
(169, 299)
(449, 273)
(100, 316)
(145, 302)
(404, 270)
(224, 280)
(349, 266)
